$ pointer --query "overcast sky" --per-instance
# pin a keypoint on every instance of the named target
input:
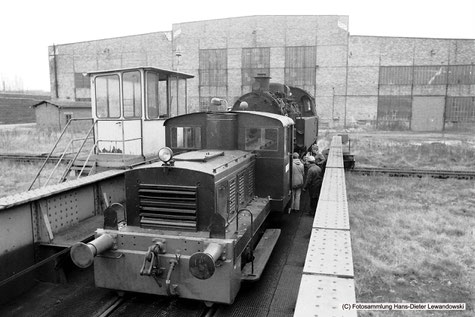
(28, 27)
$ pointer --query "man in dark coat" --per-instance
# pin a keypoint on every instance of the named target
(313, 183)
(297, 181)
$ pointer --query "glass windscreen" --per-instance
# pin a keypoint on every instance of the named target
(132, 94)
(157, 106)
(107, 96)
(186, 137)
(262, 139)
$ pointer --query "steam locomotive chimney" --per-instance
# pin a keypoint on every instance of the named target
(261, 83)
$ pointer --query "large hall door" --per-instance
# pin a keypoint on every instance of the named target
(428, 113)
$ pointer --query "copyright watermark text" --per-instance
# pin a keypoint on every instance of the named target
(403, 306)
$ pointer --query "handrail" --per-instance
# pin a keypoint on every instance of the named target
(59, 162)
(71, 162)
(87, 160)
(54, 147)
(123, 141)
(61, 158)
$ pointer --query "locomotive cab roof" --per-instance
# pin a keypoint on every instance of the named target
(234, 130)
(284, 120)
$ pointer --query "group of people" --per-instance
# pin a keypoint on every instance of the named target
(307, 177)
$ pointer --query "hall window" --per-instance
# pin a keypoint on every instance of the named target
(300, 63)
(213, 75)
(255, 61)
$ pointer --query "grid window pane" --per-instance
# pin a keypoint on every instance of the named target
(460, 109)
(393, 108)
(395, 75)
(430, 75)
(213, 67)
(300, 62)
(81, 81)
(213, 75)
(255, 61)
(462, 74)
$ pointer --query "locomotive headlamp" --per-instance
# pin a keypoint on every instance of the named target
(165, 154)
(243, 105)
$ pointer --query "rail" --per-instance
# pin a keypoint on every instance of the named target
(408, 172)
(328, 277)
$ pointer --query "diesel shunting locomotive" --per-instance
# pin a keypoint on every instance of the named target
(194, 221)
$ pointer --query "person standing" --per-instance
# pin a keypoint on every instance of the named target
(319, 157)
(297, 181)
(313, 183)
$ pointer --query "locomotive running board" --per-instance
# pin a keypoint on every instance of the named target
(262, 254)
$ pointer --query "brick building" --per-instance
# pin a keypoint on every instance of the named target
(394, 82)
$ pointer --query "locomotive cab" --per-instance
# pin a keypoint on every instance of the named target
(129, 107)
(269, 136)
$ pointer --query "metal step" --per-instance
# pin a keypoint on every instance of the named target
(78, 168)
(262, 254)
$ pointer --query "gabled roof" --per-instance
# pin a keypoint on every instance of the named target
(65, 104)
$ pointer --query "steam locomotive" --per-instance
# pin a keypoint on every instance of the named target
(194, 222)
(285, 100)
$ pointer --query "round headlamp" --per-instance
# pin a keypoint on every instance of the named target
(165, 154)
(243, 105)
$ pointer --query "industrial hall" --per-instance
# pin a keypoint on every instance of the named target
(395, 83)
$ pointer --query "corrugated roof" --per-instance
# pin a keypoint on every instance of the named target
(65, 104)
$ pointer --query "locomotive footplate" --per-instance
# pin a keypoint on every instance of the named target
(252, 271)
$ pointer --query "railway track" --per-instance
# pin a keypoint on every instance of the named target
(151, 305)
(442, 174)
(28, 158)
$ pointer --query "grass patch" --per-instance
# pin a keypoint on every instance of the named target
(27, 140)
(419, 151)
(412, 241)
(17, 177)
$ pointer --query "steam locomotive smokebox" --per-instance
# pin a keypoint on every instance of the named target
(221, 131)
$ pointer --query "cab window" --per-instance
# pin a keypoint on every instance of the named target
(261, 139)
(132, 94)
(186, 137)
(156, 96)
(107, 96)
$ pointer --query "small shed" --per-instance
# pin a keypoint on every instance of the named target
(54, 114)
